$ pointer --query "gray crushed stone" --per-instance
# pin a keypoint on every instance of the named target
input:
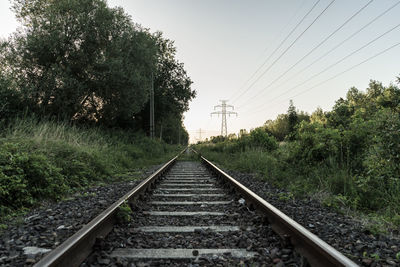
(28, 239)
(344, 233)
(254, 235)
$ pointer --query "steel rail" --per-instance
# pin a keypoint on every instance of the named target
(315, 250)
(76, 248)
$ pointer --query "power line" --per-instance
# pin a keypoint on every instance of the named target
(277, 48)
(288, 22)
(312, 50)
(340, 44)
(349, 69)
(341, 73)
(287, 49)
(334, 64)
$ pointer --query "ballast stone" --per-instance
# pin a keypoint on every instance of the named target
(35, 250)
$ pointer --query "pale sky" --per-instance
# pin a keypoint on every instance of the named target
(223, 42)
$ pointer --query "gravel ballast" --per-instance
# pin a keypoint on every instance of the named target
(344, 233)
(25, 242)
(43, 229)
(253, 234)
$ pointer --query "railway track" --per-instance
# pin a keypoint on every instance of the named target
(188, 213)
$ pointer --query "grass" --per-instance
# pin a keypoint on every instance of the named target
(188, 155)
(329, 184)
(124, 213)
(47, 160)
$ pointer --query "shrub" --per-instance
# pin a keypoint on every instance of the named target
(42, 160)
(26, 178)
(259, 138)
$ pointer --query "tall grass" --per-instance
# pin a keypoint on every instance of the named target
(338, 186)
(49, 131)
(42, 159)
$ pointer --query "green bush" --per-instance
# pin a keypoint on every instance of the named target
(27, 178)
(314, 143)
(380, 181)
(45, 160)
(259, 138)
(351, 153)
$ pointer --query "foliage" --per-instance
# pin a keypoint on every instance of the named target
(380, 181)
(44, 160)
(10, 100)
(172, 93)
(71, 58)
(124, 213)
(351, 152)
(285, 196)
(284, 125)
(84, 62)
(27, 177)
(279, 128)
(292, 119)
(257, 139)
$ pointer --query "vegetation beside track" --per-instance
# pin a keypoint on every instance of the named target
(45, 160)
(83, 72)
(350, 156)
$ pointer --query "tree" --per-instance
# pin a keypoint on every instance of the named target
(259, 138)
(242, 132)
(318, 116)
(85, 62)
(340, 114)
(80, 60)
(292, 119)
(279, 128)
(232, 136)
(172, 89)
(10, 99)
(354, 97)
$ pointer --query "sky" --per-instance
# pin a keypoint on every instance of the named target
(223, 43)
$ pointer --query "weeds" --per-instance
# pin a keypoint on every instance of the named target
(124, 213)
(45, 160)
(188, 155)
(285, 196)
(334, 186)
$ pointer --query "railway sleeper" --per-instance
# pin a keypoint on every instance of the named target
(188, 213)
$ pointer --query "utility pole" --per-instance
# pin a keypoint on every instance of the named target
(152, 130)
(200, 132)
(179, 134)
(224, 112)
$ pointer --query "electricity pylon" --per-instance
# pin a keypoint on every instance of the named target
(224, 112)
(200, 132)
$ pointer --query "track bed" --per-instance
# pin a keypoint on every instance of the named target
(190, 218)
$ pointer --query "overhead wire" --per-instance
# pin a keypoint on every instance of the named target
(277, 48)
(287, 49)
(339, 44)
(332, 65)
(340, 73)
(289, 21)
(310, 52)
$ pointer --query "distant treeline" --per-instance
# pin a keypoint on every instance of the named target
(352, 151)
(84, 62)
